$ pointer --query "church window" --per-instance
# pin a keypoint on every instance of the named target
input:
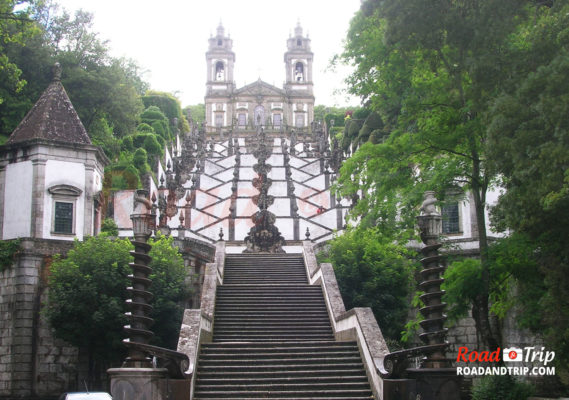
(299, 72)
(219, 71)
(277, 120)
(63, 220)
(299, 42)
(242, 117)
(219, 42)
(451, 218)
(218, 119)
(63, 211)
(299, 120)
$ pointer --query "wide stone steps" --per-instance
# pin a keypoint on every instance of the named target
(272, 338)
(261, 269)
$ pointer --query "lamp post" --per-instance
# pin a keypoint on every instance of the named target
(430, 225)
(143, 222)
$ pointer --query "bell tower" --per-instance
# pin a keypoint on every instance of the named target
(220, 60)
(298, 62)
(298, 84)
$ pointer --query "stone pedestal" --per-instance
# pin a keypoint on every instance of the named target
(137, 383)
(436, 383)
(399, 389)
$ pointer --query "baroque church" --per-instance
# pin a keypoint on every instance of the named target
(259, 103)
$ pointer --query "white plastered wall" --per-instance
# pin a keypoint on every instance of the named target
(18, 200)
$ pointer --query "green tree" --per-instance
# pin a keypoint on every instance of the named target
(16, 26)
(528, 141)
(140, 160)
(87, 294)
(154, 117)
(19, 31)
(169, 105)
(429, 70)
(100, 86)
(110, 227)
(374, 271)
(168, 283)
(197, 113)
(86, 298)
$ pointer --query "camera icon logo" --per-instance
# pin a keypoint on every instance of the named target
(512, 354)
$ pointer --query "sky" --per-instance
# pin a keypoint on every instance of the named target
(168, 39)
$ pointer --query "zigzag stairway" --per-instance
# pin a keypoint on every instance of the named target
(272, 337)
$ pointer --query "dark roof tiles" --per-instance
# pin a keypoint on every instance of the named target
(51, 118)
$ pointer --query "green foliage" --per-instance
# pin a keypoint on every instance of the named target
(104, 90)
(197, 113)
(152, 146)
(87, 295)
(144, 127)
(88, 292)
(154, 117)
(374, 271)
(16, 28)
(127, 144)
(463, 282)
(102, 135)
(122, 175)
(528, 134)
(430, 71)
(514, 279)
(501, 387)
(8, 249)
(140, 160)
(412, 326)
(169, 105)
(372, 122)
(109, 226)
(168, 284)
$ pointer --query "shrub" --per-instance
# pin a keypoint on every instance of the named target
(109, 227)
(501, 387)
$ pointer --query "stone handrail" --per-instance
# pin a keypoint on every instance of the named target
(356, 324)
(197, 324)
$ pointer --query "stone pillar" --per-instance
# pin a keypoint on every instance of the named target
(38, 195)
(436, 379)
(137, 379)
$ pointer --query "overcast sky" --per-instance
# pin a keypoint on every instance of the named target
(169, 39)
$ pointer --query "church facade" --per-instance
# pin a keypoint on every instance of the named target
(259, 103)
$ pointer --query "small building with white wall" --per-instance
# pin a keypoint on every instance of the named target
(51, 175)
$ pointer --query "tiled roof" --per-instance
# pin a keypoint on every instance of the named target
(52, 118)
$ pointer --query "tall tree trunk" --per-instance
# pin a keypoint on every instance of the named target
(481, 308)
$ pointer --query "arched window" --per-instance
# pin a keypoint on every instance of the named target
(219, 71)
(219, 42)
(299, 72)
(299, 42)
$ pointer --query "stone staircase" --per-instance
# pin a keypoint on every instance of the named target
(272, 337)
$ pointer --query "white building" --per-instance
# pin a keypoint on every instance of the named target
(51, 176)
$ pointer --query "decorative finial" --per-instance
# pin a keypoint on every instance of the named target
(307, 234)
(221, 234)
(56, 69)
